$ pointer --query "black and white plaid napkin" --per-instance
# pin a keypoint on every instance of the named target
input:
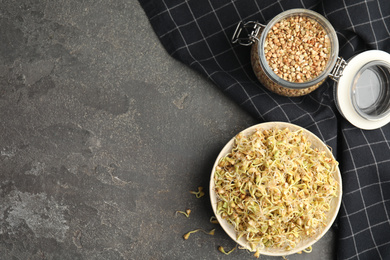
(198, 33)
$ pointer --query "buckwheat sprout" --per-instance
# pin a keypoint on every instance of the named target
(308, 250)
(187, 235)
(214, 220)
(274, 188)
(222, 250)
(198, 193)
(186, 213)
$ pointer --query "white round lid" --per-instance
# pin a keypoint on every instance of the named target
(363, 91)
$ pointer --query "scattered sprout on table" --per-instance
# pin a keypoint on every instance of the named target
(257, 253)
(222, 250)
(214, 220)
(185, 213)
(187, 235)
(198, 193)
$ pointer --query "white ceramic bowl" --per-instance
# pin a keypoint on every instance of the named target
(331, 214)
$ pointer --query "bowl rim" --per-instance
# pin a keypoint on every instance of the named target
(335, 204)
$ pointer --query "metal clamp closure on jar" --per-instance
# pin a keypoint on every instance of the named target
(362, 83)
(246, 33)
(337, 71)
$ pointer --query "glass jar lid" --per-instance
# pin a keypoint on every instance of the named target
(363, 90)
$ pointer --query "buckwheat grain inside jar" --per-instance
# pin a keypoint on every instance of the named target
(298, 49)
(294, 53)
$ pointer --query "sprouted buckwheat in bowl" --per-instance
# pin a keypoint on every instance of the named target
(275, 189)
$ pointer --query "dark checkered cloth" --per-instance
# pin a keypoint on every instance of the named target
(199, 32)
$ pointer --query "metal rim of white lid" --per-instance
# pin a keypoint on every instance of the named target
(344, 89)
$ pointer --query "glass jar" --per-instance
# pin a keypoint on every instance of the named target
(261, 67)
(362, 84)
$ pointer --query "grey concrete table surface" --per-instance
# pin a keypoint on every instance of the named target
(103, 135)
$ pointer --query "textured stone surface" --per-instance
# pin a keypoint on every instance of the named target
(103, 135)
